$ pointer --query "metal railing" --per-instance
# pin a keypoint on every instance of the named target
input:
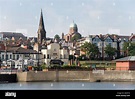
(8, 71)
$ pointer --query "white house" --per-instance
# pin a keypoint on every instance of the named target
(19, 57)
(54, 51)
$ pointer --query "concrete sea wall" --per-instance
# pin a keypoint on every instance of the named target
(8, 78)
(90, 76)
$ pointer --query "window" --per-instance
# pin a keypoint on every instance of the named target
(64, 56)
(10, 56)
(110, 44)
(14, 57)
(7, 57)
(44, 56)
(55, 54)
(47, 56)
(26, 55)
(54, 49)
(60, 55)
(2, 56)
(17, 56)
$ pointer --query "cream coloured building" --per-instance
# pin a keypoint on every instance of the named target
(54, 51)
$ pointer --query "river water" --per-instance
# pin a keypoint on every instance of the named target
(68, 86)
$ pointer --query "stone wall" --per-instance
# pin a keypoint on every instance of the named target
(90, 76)
(8, 78)
(21, 76)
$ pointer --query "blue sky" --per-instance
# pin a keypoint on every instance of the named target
(91, 16)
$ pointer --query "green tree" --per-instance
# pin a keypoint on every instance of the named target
(131, 49)
(94, 51)
(110, 51)
(91, 50)
(57, 37)
(76, 37)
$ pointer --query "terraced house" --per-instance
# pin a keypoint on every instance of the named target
(115, 41)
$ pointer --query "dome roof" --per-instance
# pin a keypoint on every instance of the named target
(73, 25)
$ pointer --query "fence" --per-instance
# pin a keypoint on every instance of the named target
(8, 71)
(77, 68)
(91, 68)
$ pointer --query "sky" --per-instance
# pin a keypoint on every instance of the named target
(91, 16)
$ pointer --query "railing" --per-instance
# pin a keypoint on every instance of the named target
(91, 68)
(74, 68)
(8, 71)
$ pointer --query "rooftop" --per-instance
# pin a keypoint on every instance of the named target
(129, 58)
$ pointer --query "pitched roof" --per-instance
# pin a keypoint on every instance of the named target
(21, 50)
(129, 58)
(13, 34)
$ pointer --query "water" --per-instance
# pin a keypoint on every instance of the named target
(68, 86)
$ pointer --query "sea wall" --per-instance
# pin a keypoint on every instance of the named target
(90, 76)
(8, 78)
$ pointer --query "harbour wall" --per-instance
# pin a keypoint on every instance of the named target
(90, 76)
(8, 78)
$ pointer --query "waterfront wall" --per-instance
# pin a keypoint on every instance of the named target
(90, 76)
(118, 76)
(8, 78)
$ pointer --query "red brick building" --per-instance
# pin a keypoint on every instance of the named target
(2, 47)
(126, 63)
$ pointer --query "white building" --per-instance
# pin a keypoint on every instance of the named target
(54, 51)
(19, 57)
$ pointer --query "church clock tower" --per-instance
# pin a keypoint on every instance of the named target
(41, 30)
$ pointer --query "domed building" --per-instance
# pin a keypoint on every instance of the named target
(73, 33)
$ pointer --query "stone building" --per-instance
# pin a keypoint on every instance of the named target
(41, 30)
(73, 31)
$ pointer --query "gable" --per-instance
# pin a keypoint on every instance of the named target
(108, 39)
(96, 39)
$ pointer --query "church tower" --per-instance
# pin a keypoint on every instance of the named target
(41, 30)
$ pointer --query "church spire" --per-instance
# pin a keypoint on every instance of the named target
(41, 30)
(41, 23)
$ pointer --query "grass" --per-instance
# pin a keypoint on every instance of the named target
(106, 64)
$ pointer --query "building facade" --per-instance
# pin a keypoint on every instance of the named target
(115, 41)
(19, 57)
(54, 51)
